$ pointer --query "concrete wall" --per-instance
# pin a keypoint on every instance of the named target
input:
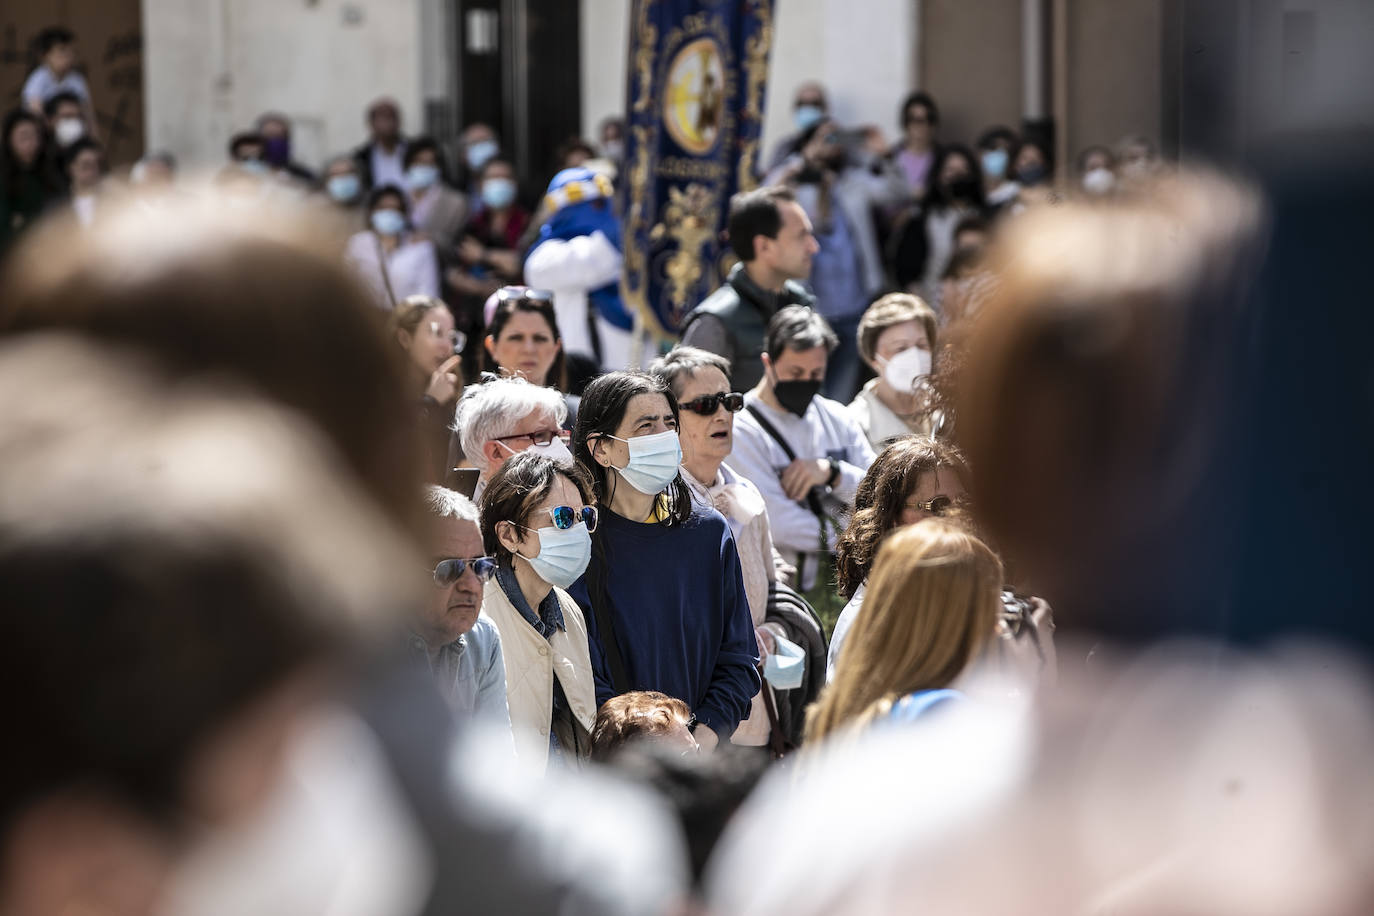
(214, 65)
(864, 60)
(605, 30)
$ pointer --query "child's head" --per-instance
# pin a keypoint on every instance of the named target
(58, 49)
(643, 715)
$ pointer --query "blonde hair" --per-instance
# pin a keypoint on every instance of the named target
(932, 600)
(889, 311)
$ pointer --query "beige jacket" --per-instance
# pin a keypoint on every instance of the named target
(742, 505)
(532, 662)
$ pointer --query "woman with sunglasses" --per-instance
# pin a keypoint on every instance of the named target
(913, 478)
(537, 523)
(700, 381)
(422, 326)
(663, 596)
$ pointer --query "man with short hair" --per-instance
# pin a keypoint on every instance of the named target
(275, 130)
(66, 117)
(461, 646)
(246, 150)
(771, 235)
(804, 452)
(809, 106)
(381, 160)
(504, 417)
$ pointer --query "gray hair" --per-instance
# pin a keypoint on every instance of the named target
(798, 327)
(445, 503)
(493, 409)
(681, 363)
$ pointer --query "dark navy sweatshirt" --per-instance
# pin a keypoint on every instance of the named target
(680, 615)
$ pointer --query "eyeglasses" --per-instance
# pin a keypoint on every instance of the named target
(455, 337)
(708, 403)
(539, 437)
(564, 517)
(450, 571)
(937, 506)
(516, 294)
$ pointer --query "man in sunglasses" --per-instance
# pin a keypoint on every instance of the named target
(461, 648)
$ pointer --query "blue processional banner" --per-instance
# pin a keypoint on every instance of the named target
(694, 113)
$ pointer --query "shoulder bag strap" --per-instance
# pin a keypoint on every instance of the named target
(386, 274)
(813, 501)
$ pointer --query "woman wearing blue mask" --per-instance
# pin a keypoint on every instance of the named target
(663, 596)
(436, 209)
(489, 253)
(391, 259)
(537, 522)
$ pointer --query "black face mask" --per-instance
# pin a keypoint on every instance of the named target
(1031, 174)
(964, 188)
(796, 395)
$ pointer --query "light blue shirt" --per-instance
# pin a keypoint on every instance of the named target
(43, 85)
(469, 672)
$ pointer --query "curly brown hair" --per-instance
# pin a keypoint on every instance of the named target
(881, 495)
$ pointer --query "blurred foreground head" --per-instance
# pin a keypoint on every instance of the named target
(182, 573)
(1095, 388)
(215, 288)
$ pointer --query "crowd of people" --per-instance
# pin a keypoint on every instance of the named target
(367, 553)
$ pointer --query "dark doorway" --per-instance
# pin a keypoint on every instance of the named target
(519, 68)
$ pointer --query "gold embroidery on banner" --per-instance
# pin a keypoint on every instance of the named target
(689, 220)
(756, 75)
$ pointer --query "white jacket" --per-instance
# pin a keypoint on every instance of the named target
(532, 662)
(569, 269)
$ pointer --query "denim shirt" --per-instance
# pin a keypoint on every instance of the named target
(550, 618)
(469, 672)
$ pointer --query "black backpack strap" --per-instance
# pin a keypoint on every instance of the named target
(813, 501)
(600, 597)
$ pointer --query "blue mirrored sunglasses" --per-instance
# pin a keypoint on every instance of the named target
(450, 571)
(564, 517)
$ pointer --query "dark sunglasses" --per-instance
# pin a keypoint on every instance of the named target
(564, 517)
(509, 294)
(707, 403)
(937, 506)
(450, 571)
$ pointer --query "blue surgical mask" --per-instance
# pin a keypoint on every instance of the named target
(498, 193)
(563, 554)
(480, 152)
(388, 222)
(343, 188)
(785, 668)
(806, 115)
(653, 463)
(419, 177)
(253, 166)
(995, 162)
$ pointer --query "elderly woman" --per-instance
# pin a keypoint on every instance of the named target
(701, 383)
(896, 340)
